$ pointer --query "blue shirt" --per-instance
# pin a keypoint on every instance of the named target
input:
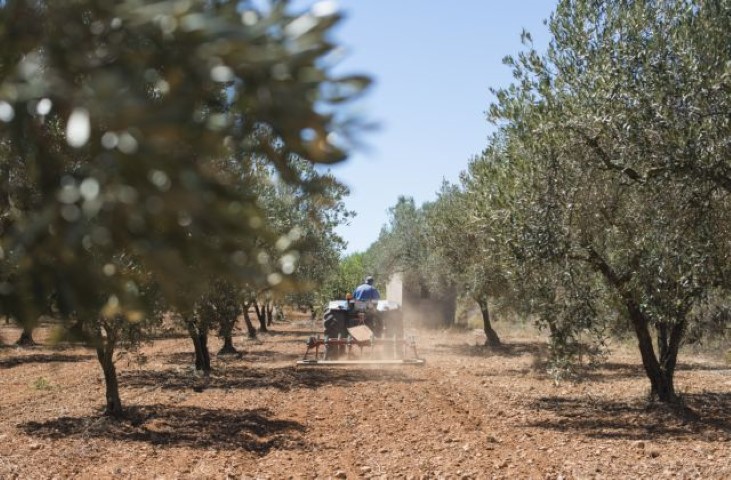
(366, 292)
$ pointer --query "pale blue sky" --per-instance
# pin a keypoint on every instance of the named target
(433, 64)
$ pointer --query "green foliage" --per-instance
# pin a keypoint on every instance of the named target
(220, 306)
(403, 247)
(306, 216)
(149, 151)
(608, 180)
(133, 129)
(42, 383)
(350, 272)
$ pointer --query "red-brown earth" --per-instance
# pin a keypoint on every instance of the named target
(471, 412)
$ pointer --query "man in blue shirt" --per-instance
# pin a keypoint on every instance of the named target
(366, 291)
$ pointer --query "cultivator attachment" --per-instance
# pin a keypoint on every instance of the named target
(360, 347)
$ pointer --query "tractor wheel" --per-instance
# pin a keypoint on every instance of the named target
(334, 323)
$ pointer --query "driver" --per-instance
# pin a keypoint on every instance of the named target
(366, 291)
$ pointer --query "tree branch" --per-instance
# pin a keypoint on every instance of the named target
(720, 178)
(593, 143)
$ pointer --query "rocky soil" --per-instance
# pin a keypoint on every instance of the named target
(470, 413)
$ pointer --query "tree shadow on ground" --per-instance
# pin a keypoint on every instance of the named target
(14, 361)
(610, 370)
(702, 414)
(503, 350)
(295, 336)
(269, 356)
(701, 367)
(302, 335)
(250, 430)
(238, 377)
(176, 358)
(621, 370)
(188, 358)
(168, 335)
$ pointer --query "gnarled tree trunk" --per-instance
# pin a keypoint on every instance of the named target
(26, 338)
(660, 370)
(199, 336)
(247, 321)
(105, 355)
(492, 338)
(228, 346)
(270, 313)
(261, 316)
(228, 322)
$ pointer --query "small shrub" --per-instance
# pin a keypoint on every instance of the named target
(41, 383)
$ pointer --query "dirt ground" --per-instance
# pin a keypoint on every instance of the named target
(470, 413)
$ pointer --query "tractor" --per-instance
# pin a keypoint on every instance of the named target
(357, 332)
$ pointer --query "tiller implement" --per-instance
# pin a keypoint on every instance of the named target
(361, 333)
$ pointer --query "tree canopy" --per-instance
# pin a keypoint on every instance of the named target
(155, 154)
(604, 191)
(616, 139)
(132, 128)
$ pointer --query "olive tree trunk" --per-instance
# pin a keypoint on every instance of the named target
(270, 313)
(492, 338)
(228, 346)
(199, 335)
(261, 316)
(26, 338)
(226, 332)
(105, 355)
(247, 321)
(660, 370)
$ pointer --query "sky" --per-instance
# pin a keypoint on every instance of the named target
(433, 64)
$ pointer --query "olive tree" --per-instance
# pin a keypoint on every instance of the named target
(403, 247)
(350, 272)
(619, 135)
(311, 211)
(469, 250)
(118, 114)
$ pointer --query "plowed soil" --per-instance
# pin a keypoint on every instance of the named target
(470, 412)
